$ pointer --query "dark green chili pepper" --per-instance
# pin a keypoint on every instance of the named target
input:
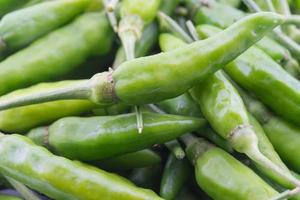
(155, 78)
(223, 177)
(286, 140)
(186, 194)
(175, 175)
(133, 160)
(25, 118)
(96, 138)
(169, 6)
(257, 72)
(65, 50)
(37, 168)
(21, 27)
(147, 177)
(7, 6)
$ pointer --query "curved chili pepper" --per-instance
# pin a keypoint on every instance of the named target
(155, 78)
(139, 159)
(37, 168)
(96, 138)
(175, 175)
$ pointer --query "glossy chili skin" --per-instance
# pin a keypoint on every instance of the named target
(260, 74)
(52, 175)
(19, 28)
(184, 104)
(96, 138)
(223, 177)
(65, 50)
(286, 140)
(7, 6)
(147, 177)
(156, 77)
(221, 104)
(24, 118)
(176, 173)
(222, 16)
(139, 159)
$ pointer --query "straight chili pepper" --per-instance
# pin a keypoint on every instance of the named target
(155, 78)
(96, 138)
(175, 175)
(52, 175)
(24, 118)
(19, 28)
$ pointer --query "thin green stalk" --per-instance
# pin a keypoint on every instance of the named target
(26, 193)
(192, 30)
(110, 12)
(174, 27)
(287, 194)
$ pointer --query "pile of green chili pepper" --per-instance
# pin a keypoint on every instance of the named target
(149, 99)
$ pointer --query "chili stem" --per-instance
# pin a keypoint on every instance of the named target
(287, 194)
(174, 27)
(129, 32)
(26, 193)
(192, 30)
(109, 8)
(176, 149)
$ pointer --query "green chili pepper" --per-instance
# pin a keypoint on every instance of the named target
(169, 6)
(186, 194)
(21, 27)
(97, 138)
(223, 16)
(184, 104)
(233, 3)
(285, 138)
(221, 176)
(133, 160)
(65, 50)
(145, 9)
(257, 72)
(94, 5)
(215, 13)
(7, 197)
(7, 6)
(196, 58)
(155, 78)
(175, 175)
(37, 168)
(147, 177)
(25, 118)
(222, 106)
